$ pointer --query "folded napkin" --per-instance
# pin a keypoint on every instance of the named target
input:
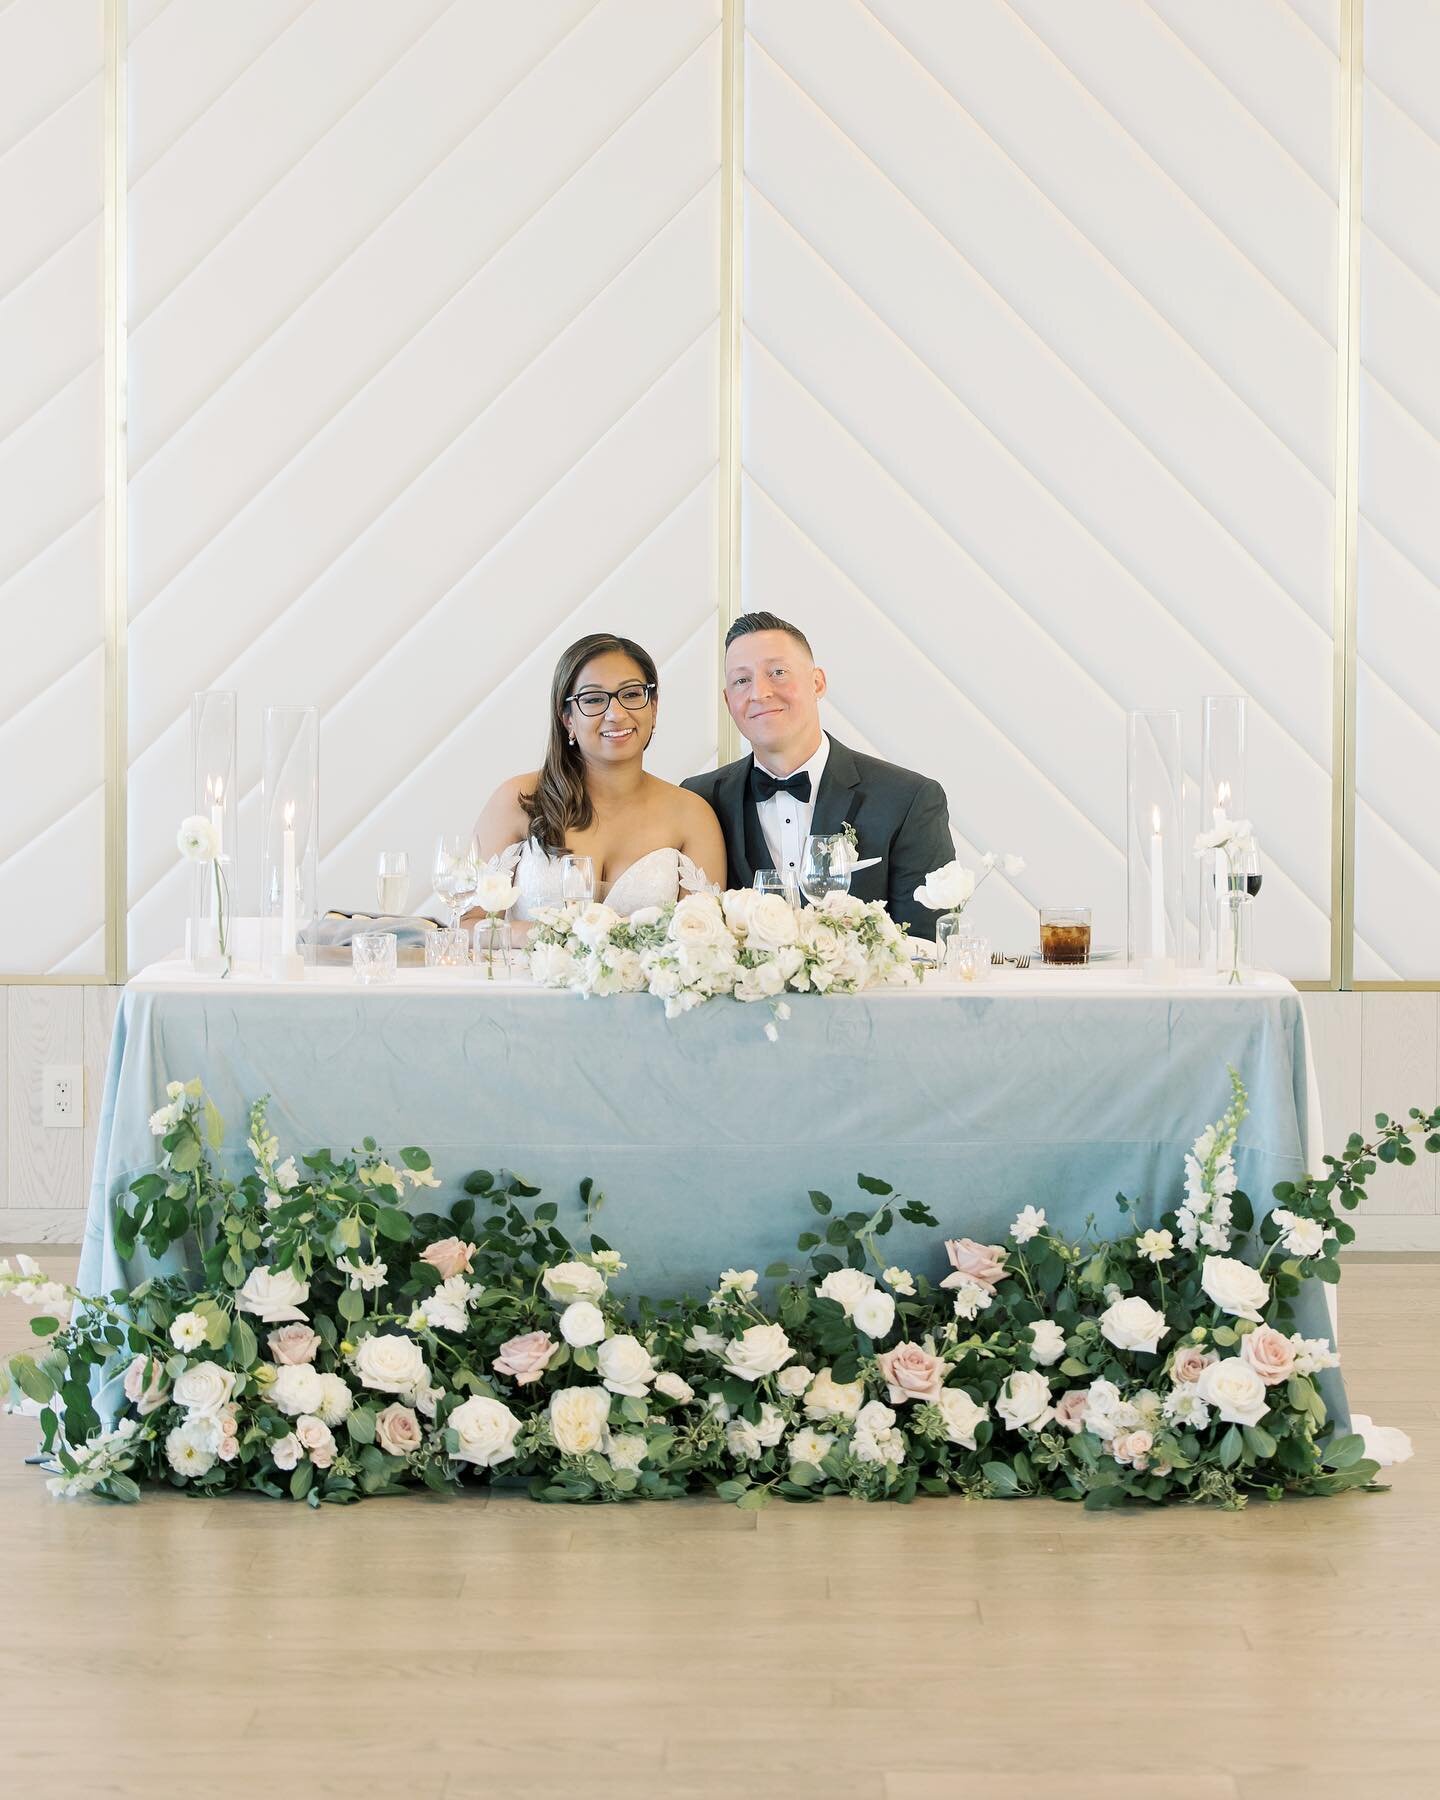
(337, 928)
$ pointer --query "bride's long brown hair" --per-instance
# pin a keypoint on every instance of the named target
(561, 802)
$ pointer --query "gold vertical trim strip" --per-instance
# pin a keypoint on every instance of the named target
(1347, 490)
(732, 293)
(116, 480)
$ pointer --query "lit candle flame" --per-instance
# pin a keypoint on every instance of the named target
(289, 814)
(1222, 794)
(1155, 820)
(219, 789)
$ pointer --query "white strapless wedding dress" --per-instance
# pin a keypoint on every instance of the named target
(656, 879)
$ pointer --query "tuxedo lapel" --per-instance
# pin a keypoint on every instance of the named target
(739, 823)
(837, 784)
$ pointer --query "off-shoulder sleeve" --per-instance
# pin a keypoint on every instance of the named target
(504, 861)
(693, 879)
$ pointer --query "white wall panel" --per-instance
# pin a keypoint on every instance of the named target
(422, 388)
(1397, 838)
(1039, 389)
(52, 694)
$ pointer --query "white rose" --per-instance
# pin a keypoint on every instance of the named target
(486, 1431)
(792, 1382)
(827, 1398)
(203, 1389)
(771, 923)
(579, 1420)
(704, 1342)
(698, 920)
(1301, 1237)
(874, 1314)
(552, 965)
(1133, 1324)
(1048, 1342)
(674, 1387)
(736, 904)
(944, 889)
(770, 1427)
(273, 1295)
(1234, 1286)
(759, 1351)
(627, 1451)
(593, 922)
(1024, 1401)
(961, 1415)
(810, 1446)
(572, 1281)
(390, 1363)
(1233, 1388)
(742, 1440)
(287, 1451)
(646, 915)
(316, 1439)
(625, 1366)
(495, 892)
(581, 1323)
(847, 1286)
(336, 1401)
(296, 1389)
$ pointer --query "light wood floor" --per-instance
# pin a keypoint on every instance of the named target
(440, 1650)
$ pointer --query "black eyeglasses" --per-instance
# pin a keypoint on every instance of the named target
(634, 697)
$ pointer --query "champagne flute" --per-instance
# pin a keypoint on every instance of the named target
(577, 879)
(457, 872)
(778, 881)
(825, 868)
(392, 881)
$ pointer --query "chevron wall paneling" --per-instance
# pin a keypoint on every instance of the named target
(1039, 406)
(52, 489)
(1397, 818)
(424, 384)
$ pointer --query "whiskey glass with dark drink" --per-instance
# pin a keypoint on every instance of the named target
(1065, 935)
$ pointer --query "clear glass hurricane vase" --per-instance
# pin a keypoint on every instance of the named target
(210, 936)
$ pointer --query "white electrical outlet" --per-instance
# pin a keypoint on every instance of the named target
(63, 1091)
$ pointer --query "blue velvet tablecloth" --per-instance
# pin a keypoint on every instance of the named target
(703, 1136)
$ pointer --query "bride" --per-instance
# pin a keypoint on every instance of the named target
(648, 841)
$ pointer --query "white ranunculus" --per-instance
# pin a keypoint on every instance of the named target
(191, 1448)
(874, 1314)
(486, 1431)
(1024, 1401)
(735, 903)
(579, 1420)
(947, 888)
(390, 1363)
(336, 1401)
(1234, 1286)
(627, 1451)
(188, 1331)
(698, 920)
(809, 1445)
(1300, 1237)
(582, 1323)
(569, 1281)
(297, 1388)
(771, 923)
(197, 839)
(792, 1382)
(1131, 1323)
(552, 965)
(1236, 1392)
(846, 1286)
(1158, 1246)
(674, 1387)
(625, 1366)
(961, 1415)
(758, 1352)
(827, 1398)
(274, 1295)
(1029, 1223)
(164, 1118)
(496, 892)
(203, 1389)
(646, 915)
(1048, 1341)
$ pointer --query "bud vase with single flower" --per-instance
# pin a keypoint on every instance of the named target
(492, 947)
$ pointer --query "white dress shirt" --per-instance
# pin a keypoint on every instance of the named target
(785, 821)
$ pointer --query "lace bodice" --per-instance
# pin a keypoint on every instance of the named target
(656, 879)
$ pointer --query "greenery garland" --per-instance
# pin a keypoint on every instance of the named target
(330, 1344)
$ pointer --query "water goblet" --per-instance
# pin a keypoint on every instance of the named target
(577, 879)
(778, 881)
(457, 872)
(825, 867)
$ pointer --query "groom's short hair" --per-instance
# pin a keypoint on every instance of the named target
(767, 621)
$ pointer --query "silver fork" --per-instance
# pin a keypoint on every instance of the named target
(1022, 961)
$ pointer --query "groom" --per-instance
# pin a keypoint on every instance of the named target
(801, 781)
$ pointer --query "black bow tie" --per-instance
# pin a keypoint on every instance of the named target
(768, 785)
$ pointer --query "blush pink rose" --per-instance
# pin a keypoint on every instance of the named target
(914, 1373)
(229, 1447)
(148, 1396)
(1191, 1362)
(1132, 1447)
(523, 1359)
(317, 1440)
(451, 1256)
(293, 1344)
(1269, 1353)
(397, 1430)
(1070, 1409)
(984, 1264)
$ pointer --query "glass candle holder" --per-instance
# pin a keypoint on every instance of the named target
(1223, 796)
(1154, 845)
(373, 956)
(447, 948)
(213, 796)
(1065, 935)
(289, 838)
(493, 951)
(971, 959)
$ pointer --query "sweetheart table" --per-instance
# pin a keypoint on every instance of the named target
(1045, 1086)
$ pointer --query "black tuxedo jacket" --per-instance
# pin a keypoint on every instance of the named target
(899, 816)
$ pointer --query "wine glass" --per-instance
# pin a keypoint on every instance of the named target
(392, 881)
(1243, 875)
(778, 881)
(825, 867)
(577, 879)
(457, 872)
